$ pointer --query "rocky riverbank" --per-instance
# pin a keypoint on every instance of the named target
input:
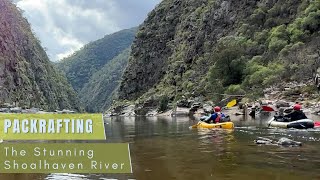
(10, 108)
(281, 95)
(286, 95)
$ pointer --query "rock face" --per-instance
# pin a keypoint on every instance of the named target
(205, 48)
(173, 38)
(27, 77)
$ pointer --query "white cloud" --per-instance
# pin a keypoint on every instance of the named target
(64, 26)
(67, 53)
(68, 41)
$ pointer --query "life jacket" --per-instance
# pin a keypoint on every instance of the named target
(217, 120)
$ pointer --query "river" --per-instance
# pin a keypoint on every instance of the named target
(165, 149)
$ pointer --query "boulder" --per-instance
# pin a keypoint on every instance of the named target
(67, 111)
(195, 106)
(240, 105)
(184, 103)
(152, 113)
(4, 110)
(200, 111)
(181, 112)
(166, 113)
(282, 103)
(207, 108)
(16, 110)
(128, 111)
(288, 142)
(238, 113)
(281, 142)
(34, 110)
(263, 142)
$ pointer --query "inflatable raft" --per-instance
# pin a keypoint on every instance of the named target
(300, 124)
(224, 125)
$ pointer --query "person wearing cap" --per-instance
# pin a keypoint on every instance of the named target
(296, 114)
(216, 116)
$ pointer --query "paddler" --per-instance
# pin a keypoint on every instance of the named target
(296, 114)
(216, 116)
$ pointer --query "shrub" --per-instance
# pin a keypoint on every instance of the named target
(163, 105)
(228, 59)
(311, 22)
(295, 31)
(235, 89)
(258, 17)
(262, 36)
(276, 44)
(278, 38)
(313, 7)
(259, 75)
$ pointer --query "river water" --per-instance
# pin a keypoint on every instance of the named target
(165, 149)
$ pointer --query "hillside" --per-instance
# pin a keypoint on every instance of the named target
(191, 49)
(98, 93)
(27, 78)
(80, 66)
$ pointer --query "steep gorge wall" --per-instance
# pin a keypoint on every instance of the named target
(176, 39)
(27, 77)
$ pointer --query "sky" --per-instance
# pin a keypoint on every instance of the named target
(64, 26)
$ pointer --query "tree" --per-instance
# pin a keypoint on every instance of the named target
(229, 62)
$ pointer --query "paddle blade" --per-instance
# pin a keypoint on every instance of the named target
(317, 124)
(267, 108)
(232, 103)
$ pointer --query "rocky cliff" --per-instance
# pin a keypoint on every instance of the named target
(202, 48)
(174, 41)
(27, 77)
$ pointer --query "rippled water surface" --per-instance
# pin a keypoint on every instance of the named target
(165, 148)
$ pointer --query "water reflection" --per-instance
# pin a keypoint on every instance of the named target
(165, 148)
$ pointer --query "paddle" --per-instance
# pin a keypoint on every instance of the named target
(317, 124)
(231, 103)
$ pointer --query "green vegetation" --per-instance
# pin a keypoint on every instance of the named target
(80, 66)
(213, 47)
(27, 78)
(163, 105)
(229, 60)
(96, 69)
(280, 50)
(97, 95)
